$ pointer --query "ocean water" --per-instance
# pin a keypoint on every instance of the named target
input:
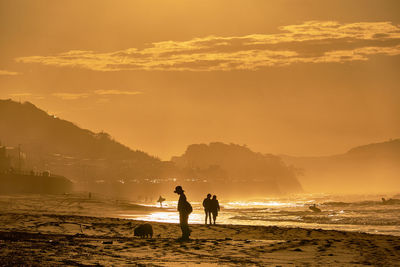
(365, 213)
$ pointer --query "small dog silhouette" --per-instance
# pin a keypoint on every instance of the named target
(314, 208)
(144, 231)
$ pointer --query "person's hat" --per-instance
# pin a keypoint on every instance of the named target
(178, 189)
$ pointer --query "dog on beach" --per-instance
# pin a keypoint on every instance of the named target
(144, 231)
(314, 208)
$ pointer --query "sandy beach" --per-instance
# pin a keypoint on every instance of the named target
(50, 235)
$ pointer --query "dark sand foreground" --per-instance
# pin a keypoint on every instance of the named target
(43, 238)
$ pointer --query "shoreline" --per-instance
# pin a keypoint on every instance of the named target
(55, 239)
(80, 204)
(76, 231)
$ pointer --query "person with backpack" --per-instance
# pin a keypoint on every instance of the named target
(184, 209)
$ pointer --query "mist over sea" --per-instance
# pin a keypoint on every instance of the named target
(362, 213)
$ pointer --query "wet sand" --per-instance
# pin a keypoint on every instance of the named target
(42, 237)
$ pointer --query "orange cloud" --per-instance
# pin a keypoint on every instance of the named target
(249, 52)
(102, 93)
(116, 92)
(20, 94)
(70, 96)
(6, 72)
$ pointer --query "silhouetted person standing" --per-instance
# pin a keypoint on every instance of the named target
(207, 208)
(214, 207)
(161, 200)
(184, 209)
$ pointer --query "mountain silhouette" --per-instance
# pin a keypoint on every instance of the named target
(364, 169)
(35, 129)
(54, 144)
(236, 163)
(94, 161)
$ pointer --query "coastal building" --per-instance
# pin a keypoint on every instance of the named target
(4, 159)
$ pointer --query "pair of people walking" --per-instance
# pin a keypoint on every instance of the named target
(211, 207)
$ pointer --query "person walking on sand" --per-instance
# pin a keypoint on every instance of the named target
(214, 207)
(184, 209)
(207, 208)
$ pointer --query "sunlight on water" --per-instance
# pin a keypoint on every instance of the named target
(357, 214)
(250, 204)
(165, 204)
(172, 218)
(167, 217)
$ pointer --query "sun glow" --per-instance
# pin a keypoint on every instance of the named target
(168, 217)
(243, 204)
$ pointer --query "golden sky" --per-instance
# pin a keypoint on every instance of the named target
(298, 77)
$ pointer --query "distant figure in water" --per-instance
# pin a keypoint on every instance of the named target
(390, 201)
(161, 200)
(214, 207)
(314, 208)
(207, 208)
(184, 209)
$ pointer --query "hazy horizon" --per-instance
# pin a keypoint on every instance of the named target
(301, 79)
(209, 142)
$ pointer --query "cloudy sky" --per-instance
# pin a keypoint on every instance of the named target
(298, 77)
